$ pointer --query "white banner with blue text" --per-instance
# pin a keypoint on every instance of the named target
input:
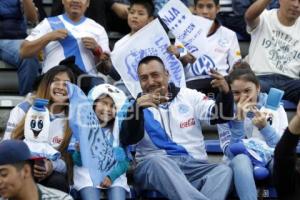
(188, 29)
(152, 40)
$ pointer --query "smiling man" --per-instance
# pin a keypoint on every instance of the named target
(16, 180)
(69, 34)
(165, 126)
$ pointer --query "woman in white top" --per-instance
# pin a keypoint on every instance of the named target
(52, 87)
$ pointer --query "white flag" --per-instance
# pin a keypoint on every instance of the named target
(151, 40)
(191, 31)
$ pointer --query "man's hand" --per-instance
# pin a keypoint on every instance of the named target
(260, 119)
(90, 43)
(59, 34)
(219, 82)
(120, 9)
(104, 65)
(152, 99)
(106, 183)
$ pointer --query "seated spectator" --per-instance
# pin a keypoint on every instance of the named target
(251, 123)
(107, 101)
(164, 123)
(69, 34)
(101, 12)
(51, 87)
(274, 49)
(13, 30)
(16, 175)
(286, 171)
(221, 54)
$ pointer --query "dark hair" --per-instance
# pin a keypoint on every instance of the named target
(217, 2)
(148, 4)
(21, 164)
(147, 59)
(242, 71)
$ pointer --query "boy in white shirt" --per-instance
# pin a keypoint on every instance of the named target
(221, 55)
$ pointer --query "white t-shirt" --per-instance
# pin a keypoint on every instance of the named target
(275, 48)
(56, 51)
(222, 53)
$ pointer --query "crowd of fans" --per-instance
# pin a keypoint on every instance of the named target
(164, 123)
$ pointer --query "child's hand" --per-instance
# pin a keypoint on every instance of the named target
(243, 106)
(188, 58)
(173, 50)
(260, 119)
(106, 183)
(219, 82)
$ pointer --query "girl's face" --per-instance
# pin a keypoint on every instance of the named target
(58, 88)
(105, 109)
(245, 88)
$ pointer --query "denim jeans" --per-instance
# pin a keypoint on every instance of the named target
(113, 193)
(290, 86)
(243, 177)
(183, 177)
(27, 68)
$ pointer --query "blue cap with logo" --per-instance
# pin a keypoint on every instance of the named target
(13, 151)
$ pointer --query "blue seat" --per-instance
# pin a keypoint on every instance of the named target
(213, 146)
(288, 105)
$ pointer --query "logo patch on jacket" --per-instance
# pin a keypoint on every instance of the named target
(182, 109)
(188, 123)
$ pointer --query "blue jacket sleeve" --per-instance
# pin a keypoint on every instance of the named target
(270, 135)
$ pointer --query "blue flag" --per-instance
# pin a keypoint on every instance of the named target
(97, 154)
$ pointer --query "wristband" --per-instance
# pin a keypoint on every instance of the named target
(97, 51)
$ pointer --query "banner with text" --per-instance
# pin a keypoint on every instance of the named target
(190, 30)
(150, 40)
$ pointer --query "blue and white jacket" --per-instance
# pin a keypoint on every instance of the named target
(235, 131)
(174, 127)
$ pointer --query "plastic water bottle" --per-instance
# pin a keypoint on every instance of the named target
(37, 121)
(272, 104)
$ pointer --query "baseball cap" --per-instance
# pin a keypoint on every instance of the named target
(13, 151)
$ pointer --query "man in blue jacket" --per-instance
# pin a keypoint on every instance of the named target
(164, 123)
